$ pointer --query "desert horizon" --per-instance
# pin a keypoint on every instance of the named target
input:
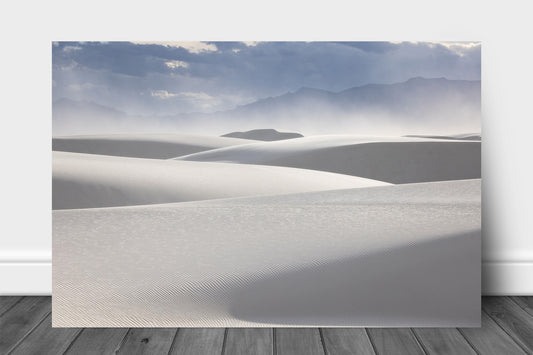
(416, 106)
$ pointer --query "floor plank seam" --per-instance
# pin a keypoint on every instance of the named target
(468, 341)
(509, 320)
(526, 351)
(173, 344)
(274, 342)
(524, 313)
(123, 341)
(324, 349)
(371, 341)
(224, 341)
(10, 307)
(419, 342)
(521, 307)
(73, 340)
(21, 340)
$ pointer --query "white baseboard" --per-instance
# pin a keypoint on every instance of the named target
(35, 278)
(25, 278)
(507, 278)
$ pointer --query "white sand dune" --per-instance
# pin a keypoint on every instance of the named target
(88, 181)
(462, 136)
(395, 160)
(157, 146)
(381, 256)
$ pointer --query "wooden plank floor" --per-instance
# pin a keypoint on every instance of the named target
(507, 328)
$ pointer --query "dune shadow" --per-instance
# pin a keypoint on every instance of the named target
(394, 162)
(434, 283)
(125, 148)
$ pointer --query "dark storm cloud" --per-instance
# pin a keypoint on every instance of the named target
(168, 78)
(119, 57)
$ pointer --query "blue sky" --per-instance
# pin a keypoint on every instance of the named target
(165, 78)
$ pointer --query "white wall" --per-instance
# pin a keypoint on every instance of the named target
(507, 147)
(28, 28)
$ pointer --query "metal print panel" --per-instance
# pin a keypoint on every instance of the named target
(266, 184)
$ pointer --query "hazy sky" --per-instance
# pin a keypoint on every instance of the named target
(176, 77)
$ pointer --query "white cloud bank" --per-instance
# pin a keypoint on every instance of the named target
(193, 47)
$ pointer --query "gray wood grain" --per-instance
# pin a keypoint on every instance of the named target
(394, 341)
(204, 341)
(151, 341)
(296, 341)
(344, 341)
(98, 341)
(490, 339)
(514, 320)
(243, 341)
(443, 341)
(45, 340)
(6, 302)
(19, 320)
(526, 302)
(26, 329)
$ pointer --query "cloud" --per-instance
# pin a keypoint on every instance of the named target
(175, 64)
(162, 94)
(196, 95)
(65, 66)
(461, 48)
(120, 57)
(81, 86)
(165, 78)
(371, 46)
(458, 48)
(195, 101)
(71, 48)
(192, 47)
(200, 96)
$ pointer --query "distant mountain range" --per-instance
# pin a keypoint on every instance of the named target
(416, 105)
(414, 94)
(80, 117)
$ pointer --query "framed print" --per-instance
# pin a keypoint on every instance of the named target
(266, 184)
